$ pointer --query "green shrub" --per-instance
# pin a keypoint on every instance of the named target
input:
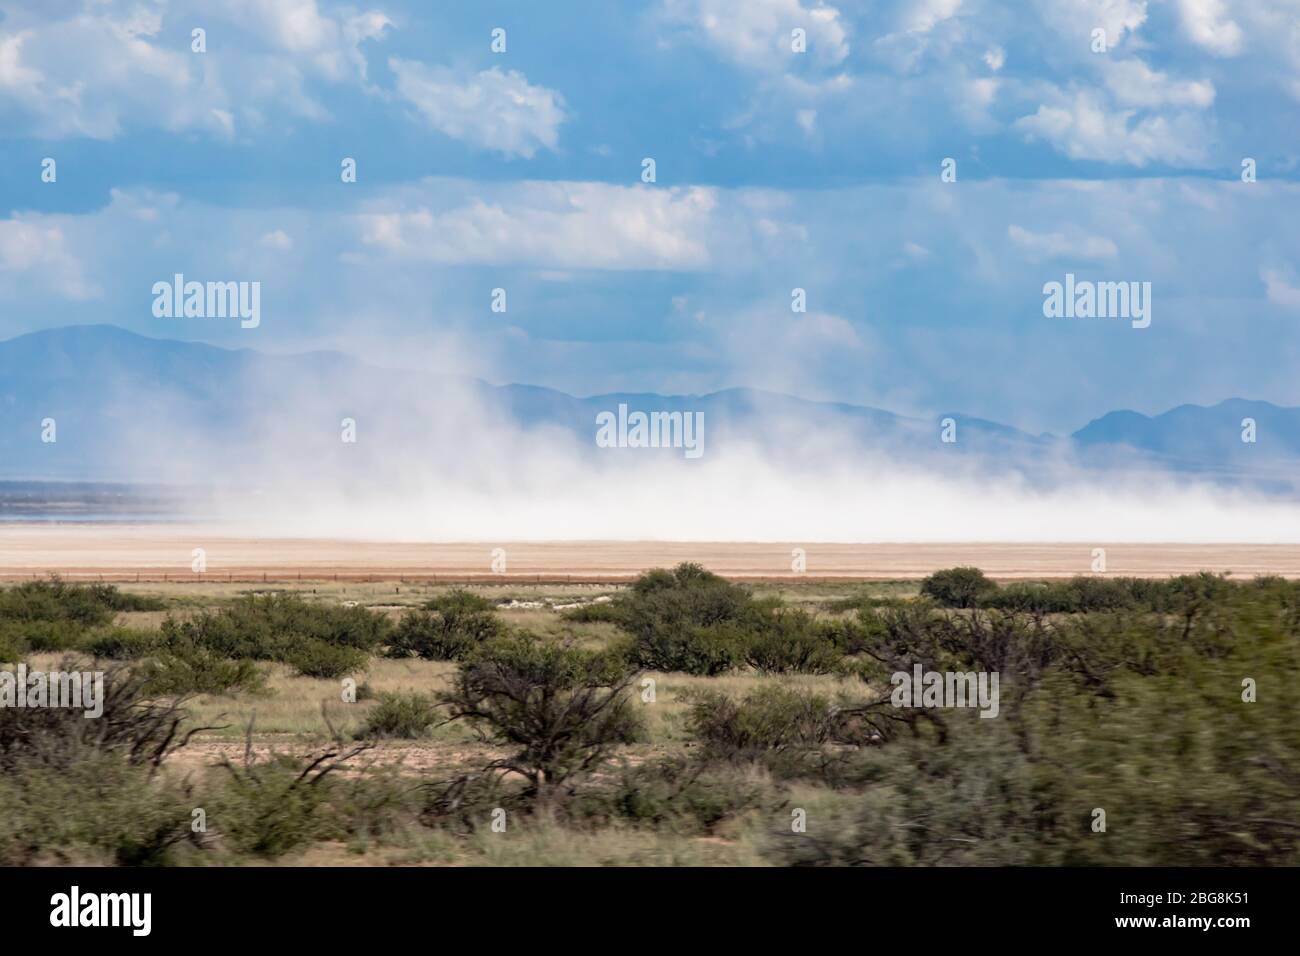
(605, 612)
(318, 640)
(672, 794)
(563, 710)
(313, 658)
(38, 636)
(687, 619)
(115, 600)
(269, 807)
(766, 721)
(958, 587)
(198, 671)
(794, 642)
(1143, 715)
(448, 628)
(269, 810)
(406, 715)
(53, 599)
(122, 643)
(133, 726)
(704, 651)
(97, 810)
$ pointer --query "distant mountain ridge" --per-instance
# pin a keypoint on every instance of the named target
(110, 391)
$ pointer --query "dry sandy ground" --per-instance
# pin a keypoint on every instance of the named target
(121, 552)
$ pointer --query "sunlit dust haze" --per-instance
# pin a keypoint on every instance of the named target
(433, 462)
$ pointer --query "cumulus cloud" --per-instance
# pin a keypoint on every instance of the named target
(558, 225)
(1281, 287)
(922, 15)
(1205, 23)
(1075, 20)
(1082, 125)
(1133, 83)
(330, 43)
(1061, 245)
(495, 109)
(110, 65)
(37, 249)
(756, 33)
(277, 239)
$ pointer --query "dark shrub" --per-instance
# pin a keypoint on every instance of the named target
(122, 643)
(277, 805)
(563, 709)
(767, 720)
(1033, 598)
(958, 587)
(673, 794)
(115, 600)
(98, 810)
(604, 612)
(39, 636)
(133, 726)
(74, 789)
(704, 651)
(283, 628)
(447, 629)
(687, 619)
(793, 641)
(56, 600)
(407, 715)
(313, 658)
(198, 671)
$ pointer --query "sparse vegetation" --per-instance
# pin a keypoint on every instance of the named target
(407, 715)
(685, 720)
(446, 629)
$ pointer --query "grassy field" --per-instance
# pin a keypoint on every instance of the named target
(681, 720)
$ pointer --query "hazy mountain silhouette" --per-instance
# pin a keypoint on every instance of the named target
(129, 407)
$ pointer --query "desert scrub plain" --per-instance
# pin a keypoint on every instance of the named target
(683, 720)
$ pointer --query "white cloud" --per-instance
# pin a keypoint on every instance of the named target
(1038, 246)
(277, 239)
(995, 58)
(756, 33)
(1205, 23)
(109, 66)
(1281, 288)
(494, 110)
(37, 248)
(1133, 83)
(918, 27)
(330, 44)
(1075, 20)
(556, 225)
(13, 75)
(922, 16)
(1082, 126)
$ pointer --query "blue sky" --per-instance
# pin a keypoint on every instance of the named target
(775, 169)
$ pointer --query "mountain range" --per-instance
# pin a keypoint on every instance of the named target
(125, 407)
